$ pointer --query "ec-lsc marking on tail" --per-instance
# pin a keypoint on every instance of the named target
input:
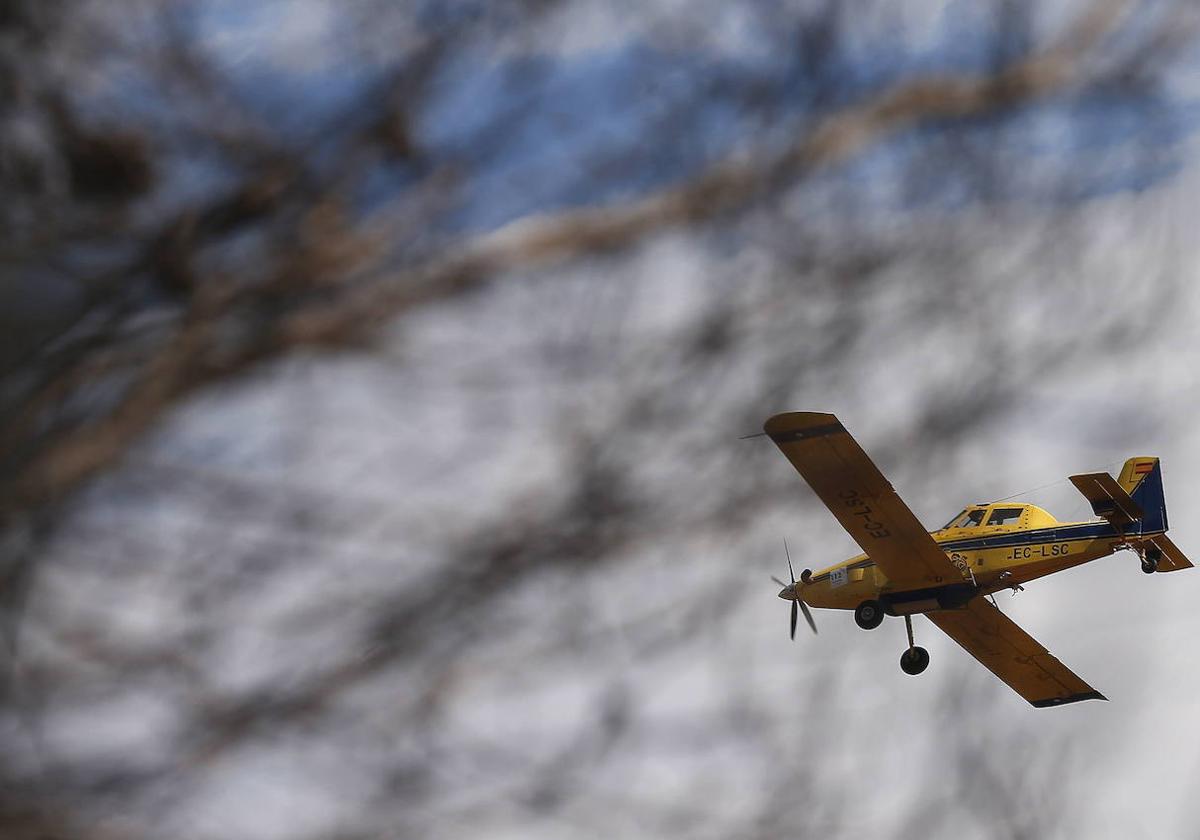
(949, 574)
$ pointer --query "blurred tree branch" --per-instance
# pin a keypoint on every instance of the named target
(336, 288)
(282, 252)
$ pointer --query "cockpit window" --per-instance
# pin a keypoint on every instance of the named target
(955, 518)
(968, 519)
(1005, 516)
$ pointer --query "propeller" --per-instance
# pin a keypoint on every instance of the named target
(791, 594)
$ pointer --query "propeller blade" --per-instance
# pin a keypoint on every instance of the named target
(797, 603)
(807, 617)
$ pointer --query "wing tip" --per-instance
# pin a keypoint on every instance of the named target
(798, 425)
(792, 419)
(1073, 698)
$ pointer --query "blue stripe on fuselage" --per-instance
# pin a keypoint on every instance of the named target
(1061, 533)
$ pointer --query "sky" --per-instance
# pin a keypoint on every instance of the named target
(382, 450)
(259, 524)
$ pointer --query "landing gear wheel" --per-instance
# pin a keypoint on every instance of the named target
(868, 615)
(1149, 566)
(914, 660)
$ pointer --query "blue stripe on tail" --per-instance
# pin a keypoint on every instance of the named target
(1149, 494)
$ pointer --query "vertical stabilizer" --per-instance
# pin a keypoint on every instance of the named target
(1142, 479)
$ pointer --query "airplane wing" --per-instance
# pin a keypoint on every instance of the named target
(1012, 654)
(863, 501)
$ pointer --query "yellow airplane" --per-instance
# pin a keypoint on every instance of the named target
(950, 574)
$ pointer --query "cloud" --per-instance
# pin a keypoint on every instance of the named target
(298, 36)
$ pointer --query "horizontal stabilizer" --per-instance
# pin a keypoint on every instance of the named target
(1109, 500)
(1172, 559)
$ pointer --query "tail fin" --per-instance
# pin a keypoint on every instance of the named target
(1136, 498)
(1141, 478)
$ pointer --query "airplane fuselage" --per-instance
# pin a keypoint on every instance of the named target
(989, 559)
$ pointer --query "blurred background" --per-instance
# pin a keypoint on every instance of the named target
(373, 374)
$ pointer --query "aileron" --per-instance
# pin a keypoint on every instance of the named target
(1013, 655)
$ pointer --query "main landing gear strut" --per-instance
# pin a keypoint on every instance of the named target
(869, 614)
(915, 659)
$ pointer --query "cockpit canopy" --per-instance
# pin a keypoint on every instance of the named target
(1000, 515)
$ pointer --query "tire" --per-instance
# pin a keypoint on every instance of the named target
(914, 660)
(868, 615)
(1149, 566)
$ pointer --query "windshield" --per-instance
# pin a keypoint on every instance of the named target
(969, 518)
(953, 519)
